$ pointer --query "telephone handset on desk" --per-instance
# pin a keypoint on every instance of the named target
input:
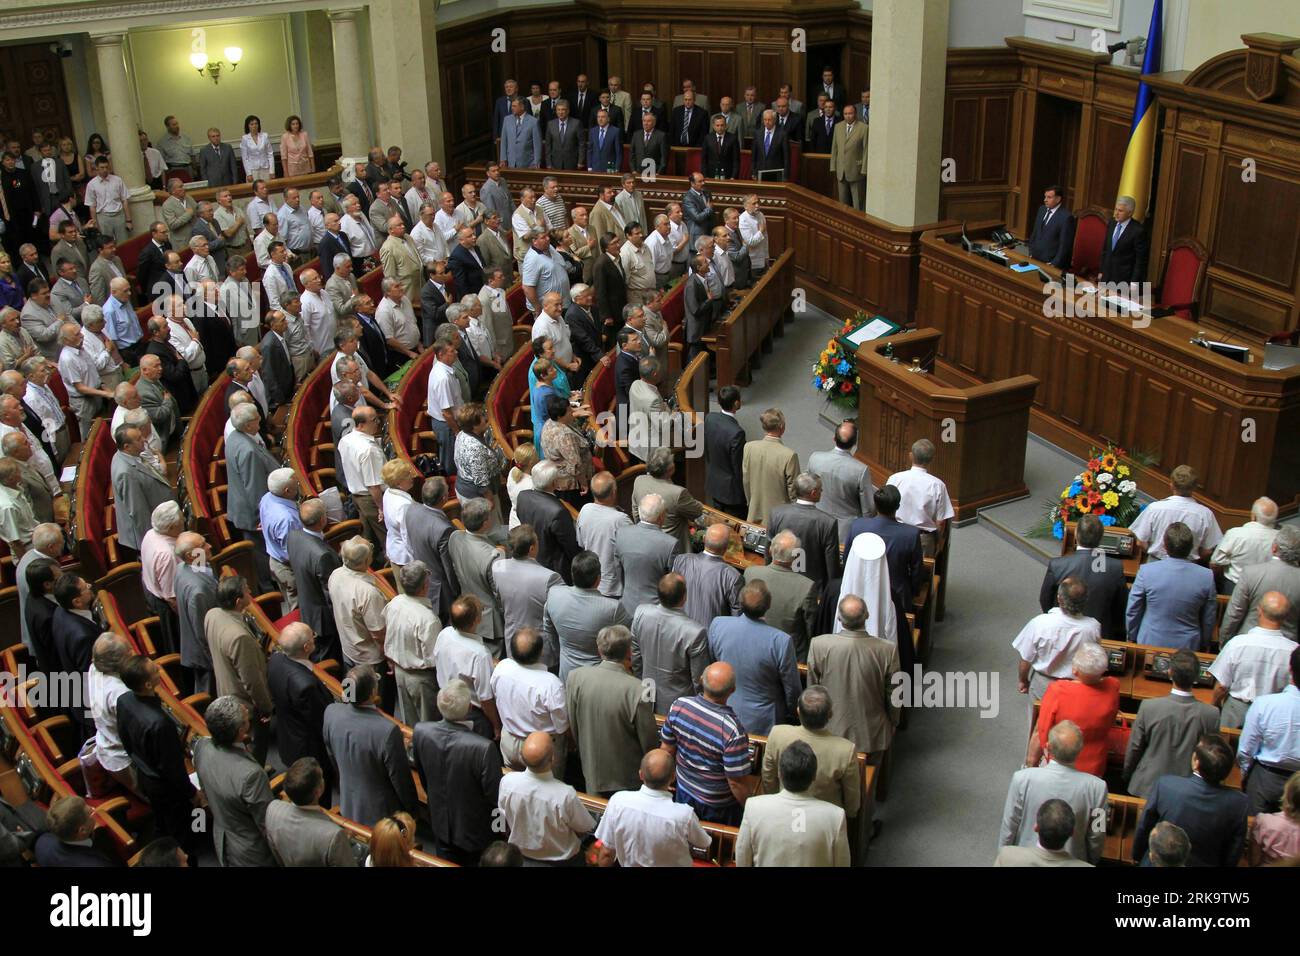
(1157, 667)
(1003, 238)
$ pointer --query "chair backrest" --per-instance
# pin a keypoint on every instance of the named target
(309, 405)
(1185, 264)
(1089, 236)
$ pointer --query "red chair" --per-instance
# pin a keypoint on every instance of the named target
(1185, 264)
(1089, 237)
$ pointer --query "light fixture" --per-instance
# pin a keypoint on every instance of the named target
(212, 68)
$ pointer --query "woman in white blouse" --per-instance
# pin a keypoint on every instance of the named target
(255, 151)
(520, 478)
(399, 477)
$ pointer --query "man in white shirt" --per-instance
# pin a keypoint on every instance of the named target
(1047, 643)
(361, 234)
(1180, 506)
(86, 395)
(201, 265)
(645, 827)
(428, 238)
(460, 653)
(109, 203)
(925, 501)
(41, 400)
(317, 313)
(445, 218)
(638, 266)
(545, 818)
(679, 235)
(396, 319)
(1254, 663)
(269, 233)
(444, 397)
(418, 194)
(1250, 543)
(410, 633)
(103, 688)
(526, 220)
(529, 699)
(11, 420)
(362, 459)
(260, 204)
(753, 231)
(661, 250)
(316, 216)
(550, 323)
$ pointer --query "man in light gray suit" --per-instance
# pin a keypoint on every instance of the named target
(522, 582)
(196, 595)
(1054, 825)
(668, 648)
(1033, 786)
(846, 482)
(521, 140)
(564, 140)
(373, 773)
(156, 400)
(1281, 572)
(300, 833)
(235, 786)
(598, 524)
(1167, 728)
(248, 465)
(428, 530)
(575, 614)
(472, 556)
(680, 507)
(645, 552)
(1172, 602)
(217, 161)
(714, 584)
(794, 596)
(137, 488)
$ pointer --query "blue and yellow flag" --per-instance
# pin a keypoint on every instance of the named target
(1135, 180)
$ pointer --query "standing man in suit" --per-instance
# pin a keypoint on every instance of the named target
(1172, 602)
(766, 837)
(697, 209)
(820, 128)
(669, 649)
(771, 150)
(689, 123)
(360, 188)
(1031, 787)
(834, 91)
(818, 531)
(238, 662)
(501, 108)
(573, 616)
(848, 151)
(794, 596)
(1102, 573)
(521, 140)
(789, 115)
(1051, 239)
(151, 264)
(751, 113)
(523, 583)
(1281, 573)
(699, 304)
(604, 144)
(680, 507)
(277, 367)
(68, 839)
(721, 151)
(583, 101)
(1167, 729)
(217, 161)
(373, 773)
(298, 830)
(1054, 825)
(1212, 815)
(137, 489)
(299, 696)
(557, 535)
(196, 595)
(769, 469)
(767, 676)
(610, 283)
(714, 584)
(248, 466)
(106, 267)
(565, 139)
(235, 785)
(649, 144)
(313, 561)
(645, 552)
(466, 264)
(621, 99)
(648, 106)
(472, 556)
(1127, 246)
(846, 482)
(428, 532)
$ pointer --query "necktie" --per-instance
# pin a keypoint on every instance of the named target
(767, 142)
(719, 144)
(561, 129)
(518, 125)
(1119, 231)
(647, 137)
(686, 124)
(288, 278)
(602, 138)
(828, 124)
(1048, 217)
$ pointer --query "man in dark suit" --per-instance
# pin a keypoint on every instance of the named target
(360, 188)
(331, 244)
(300, 698)
(604, 144)
(584, 330)
(627, 364)
(241, 373)
(818, 532)
(176, 373)
(651, 143)
(834, 91)
(374, 348)
(905, 557)
(721, 151)
(551, 105)
(689, 124)
(821, 128)
(461, 772)
(648, 105)
(1102, 573)
(217, 162)
(277, 368)
(428, 530)
(610, 283)
(557, 536)
(771, 150)
(73, 631)
(30, 268)
(313, 561)
(1051, 239)
(151, 265)
(66, 842)
(196, 595)
(38, 612)
(582, 104)
(724, 449)
(1212, 815)
(465, 263)
(699, 307)
(1125, 250)
(216, 335)
(564, 140)
(789, 120)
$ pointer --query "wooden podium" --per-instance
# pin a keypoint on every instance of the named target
(979, 433)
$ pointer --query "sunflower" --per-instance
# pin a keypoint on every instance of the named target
(1085, 480)
(1082, 503)
(1108, 462)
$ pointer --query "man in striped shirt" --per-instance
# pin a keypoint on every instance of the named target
(711, 748)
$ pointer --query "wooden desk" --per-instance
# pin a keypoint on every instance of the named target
(1145, 389)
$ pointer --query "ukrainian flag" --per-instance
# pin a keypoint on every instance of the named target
(1135, 180)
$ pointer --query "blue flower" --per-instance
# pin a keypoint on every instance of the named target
(842, 368)
(1075, 488)
(1058, 530)
(1107, 520)
(817, 381)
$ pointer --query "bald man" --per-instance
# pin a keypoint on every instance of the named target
(300, 699)
(711, 748)
(644, 827)
(1255, 662)
(713, 585)
(545, 818)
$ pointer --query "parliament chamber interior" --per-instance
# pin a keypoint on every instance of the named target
(614, 435)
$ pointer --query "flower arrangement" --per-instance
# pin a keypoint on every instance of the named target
(1104, 488)
(834, 372)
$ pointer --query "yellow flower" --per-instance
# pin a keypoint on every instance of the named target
(1065, 494)
(1108, 463)
(1110, 499)
(1081, 503)
(1086, 480)
(1123, 471)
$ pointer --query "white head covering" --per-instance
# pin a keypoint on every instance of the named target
(866, 574)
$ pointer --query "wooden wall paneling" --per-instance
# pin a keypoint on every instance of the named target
(32, 94)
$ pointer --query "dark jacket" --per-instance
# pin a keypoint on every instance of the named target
(778, 157)
(1127, 262)
(300, 702)
(682, 133)
(585, 336)
(175, 375)
(557, 537)
(724, 452)
(721, 162)
(313, 561)
(51, 851)
(611, 289)
(277, 371)
(1107, 589)
(150, 272)
(819, 538)
(1053, 242)
(626, 371)
(1214, 818)
(467, 273)
(329, 247)
(461, 772)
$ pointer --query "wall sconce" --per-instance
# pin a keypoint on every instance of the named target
(212, 68)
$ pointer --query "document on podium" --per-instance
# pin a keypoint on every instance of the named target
(874, 329)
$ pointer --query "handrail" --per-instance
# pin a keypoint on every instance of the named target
(292, 453)
(195, 496)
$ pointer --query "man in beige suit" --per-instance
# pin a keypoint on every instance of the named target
(680, 507)
(1054, 826)
(178, 212)
(525, 222)
(401, 260)
(767, 837)
(621, 98)
(73, 248)
(794, 595)
(858, 671)
(494, 248)
(106, 267)
(768, 469)
(582, 242)
(605, 217)
(238, 663)
(849, 158)
(838, 779)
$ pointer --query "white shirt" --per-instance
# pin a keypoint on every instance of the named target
(414, 201)
(558, 332)
(75, 366)
(397, 321)
(1251, 543)
(722, 265)
(105, 195)
(153, 445)
(925, 500)
(1254, 663)
(46, 406)
(529, 699)
(1048, 641)
(39, 460)
(513, 488)
(755, 241)
(262, 247)
(396, 502)
(361, 235)
(1156, 517)
(316, 219)
(410, 629)
(646, 828)
(638, 266)
(444, 390)
(675, 232)
(363, 460)
(255, 210)
(446, 223)
(661, 250)
(103, 691)
(319, 317)
(202, 267)
(457, 654)
(480, 338)
(429, 243)
(545, 816)
(184, 339)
